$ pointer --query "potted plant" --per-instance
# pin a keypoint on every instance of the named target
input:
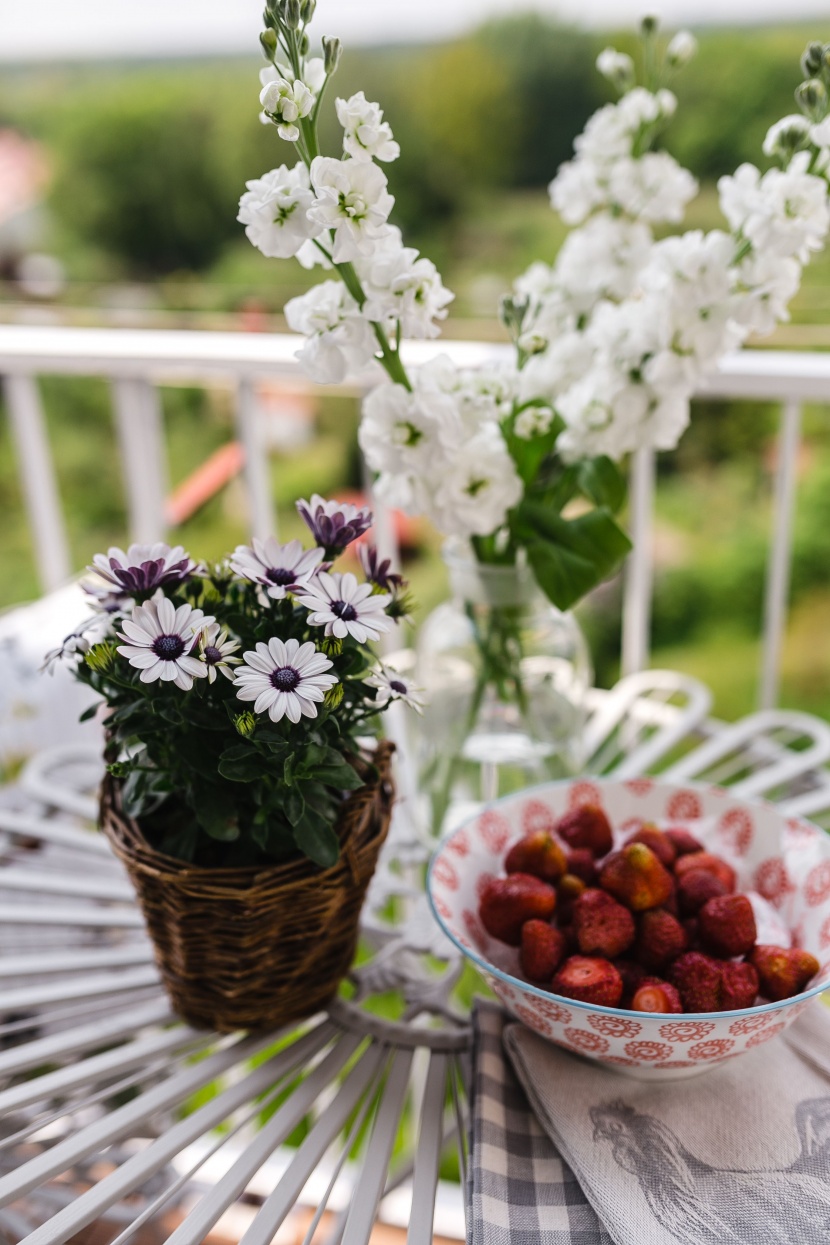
(243, 792)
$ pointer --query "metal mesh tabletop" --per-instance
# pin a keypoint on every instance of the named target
(115, 1113)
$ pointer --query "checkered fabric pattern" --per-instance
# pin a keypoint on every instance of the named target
(519, 1191)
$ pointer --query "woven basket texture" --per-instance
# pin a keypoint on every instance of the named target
(256, 947)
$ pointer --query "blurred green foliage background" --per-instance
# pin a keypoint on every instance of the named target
(147, 161)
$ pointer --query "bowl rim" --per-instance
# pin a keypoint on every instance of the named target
(601, 780)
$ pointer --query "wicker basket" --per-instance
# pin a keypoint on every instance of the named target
(256, 947)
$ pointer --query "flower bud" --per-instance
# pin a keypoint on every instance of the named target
(533, 343)
(245, 724)
(649, 24)
(292, 15)
(332, 646)
(617, 67)
(512, 311)
(269, 21)
(307, 10)
(334, 696)
(681, 49)
(268, 39)
(811, 59)
(811, 98)
(331, 54)
(101, 657)
(303, 44)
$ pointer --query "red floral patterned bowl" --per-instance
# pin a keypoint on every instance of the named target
(786, 861)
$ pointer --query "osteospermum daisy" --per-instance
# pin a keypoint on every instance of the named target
(160, 640)
(216, 650)
(279, 568)
(286, 679)
(334, 524)
(393, 686)
(345, 607)
(143, 567)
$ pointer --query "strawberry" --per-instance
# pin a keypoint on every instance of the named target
(603, 926)
(783, 971)
(697, 979)
(538, 854)
(542, 950)
(586, 826)
(727, 926)
(581, 862)
(661, 939)
(633, 975)
(568, 890)
(590, 980)
(709, 862)
(739, 986)
(695, 888)
(507, 903)
(635, 876)
(662, 847)
(654, 995)
(682, 841)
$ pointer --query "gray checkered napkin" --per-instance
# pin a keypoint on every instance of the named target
(520, 1192)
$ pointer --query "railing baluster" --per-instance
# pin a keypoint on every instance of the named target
(138, 419)
(636, 628)
(37, 474)
(780, 556)
(263, 518)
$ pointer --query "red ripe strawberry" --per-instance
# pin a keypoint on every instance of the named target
(603, 926)
(695, 888)
(542, 950)
(689, 923)
(654, 995)
(586, 826)
(568, 890)
(538, 854)
(783, 971)
(727, 926)
(635, 876)
(590, 980)
(633, 975)
(655, 839)
(709, 862)
(682, 841)
(671, 903)
(697, 979)
(739, 986)
(508, 902)
(661, 939)
(581, 863)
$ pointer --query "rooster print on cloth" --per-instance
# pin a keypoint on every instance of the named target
(698, 1204)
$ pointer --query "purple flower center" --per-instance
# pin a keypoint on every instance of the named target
(280, 575)
(398, 687)
(168, 647)
(285, 679)
(213, 654)
(344, 610)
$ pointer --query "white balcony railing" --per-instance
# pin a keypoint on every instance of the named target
(136, 362)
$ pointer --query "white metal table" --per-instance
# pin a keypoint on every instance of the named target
(115, 1113)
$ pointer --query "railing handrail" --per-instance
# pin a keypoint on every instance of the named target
(136, 360)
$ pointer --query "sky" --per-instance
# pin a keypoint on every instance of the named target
(56, 29)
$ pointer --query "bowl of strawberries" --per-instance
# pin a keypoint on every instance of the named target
(655, 928)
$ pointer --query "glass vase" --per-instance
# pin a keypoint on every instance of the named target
(506, 675)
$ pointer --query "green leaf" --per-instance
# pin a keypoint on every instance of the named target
(89, 713)
(601, 480)
(316, 838)
(241, 763)
(571, 556)
(294, 805)
(344, 776)
(215, 811)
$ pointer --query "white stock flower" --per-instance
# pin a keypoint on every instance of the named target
(340, 339)
(577, 191)
(783, 214)
(616, 66)
(479, 394)
(819, 133)
(405, 434)
(352, 200)
(401, 285)
(786, 135)
(609, 413)
(366, 135)
(533, 421)
(601, 260)
(653, 188)
(765, 285)
(313, 75)
(547, 375)
(285, 103)
(274, 211)
(682, 47)
(474, 489)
